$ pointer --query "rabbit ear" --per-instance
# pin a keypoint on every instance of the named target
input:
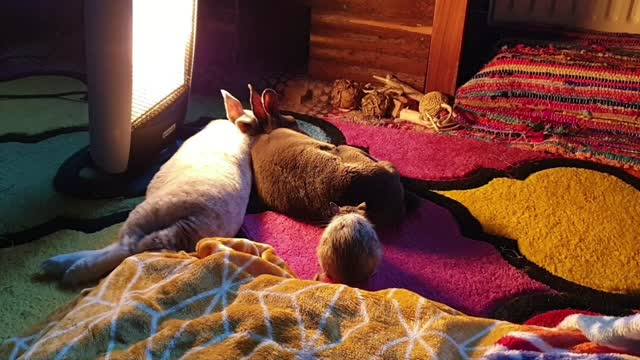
(270, 101)
(248, 125)
(257, 106)
(362, 206)
(233, 106)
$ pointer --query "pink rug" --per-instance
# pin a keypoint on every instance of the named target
(434, 157)
(428, 255)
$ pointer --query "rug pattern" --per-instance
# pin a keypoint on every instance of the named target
(27, 297)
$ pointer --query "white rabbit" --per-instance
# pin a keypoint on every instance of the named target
(202, 191)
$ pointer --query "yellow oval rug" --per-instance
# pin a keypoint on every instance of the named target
(578, 224)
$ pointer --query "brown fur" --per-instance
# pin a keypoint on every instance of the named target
(299, 176)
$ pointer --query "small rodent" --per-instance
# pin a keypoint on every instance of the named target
(349, 251)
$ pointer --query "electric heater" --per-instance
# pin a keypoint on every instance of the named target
(139, 64)
(139, 58)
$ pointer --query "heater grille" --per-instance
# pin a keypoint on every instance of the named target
(162, 52)
(618, 16)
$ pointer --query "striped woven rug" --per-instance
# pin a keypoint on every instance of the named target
(578, 97)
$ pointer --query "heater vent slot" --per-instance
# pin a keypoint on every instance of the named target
(617, 16)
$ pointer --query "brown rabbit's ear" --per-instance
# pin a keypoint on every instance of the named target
(334, 208)
(233, 106)
(362, 206)
(257, 106)
(270, 101)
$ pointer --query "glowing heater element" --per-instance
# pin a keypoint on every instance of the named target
(139, 66)
(162, 31)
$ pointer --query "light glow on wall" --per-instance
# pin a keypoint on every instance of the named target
(162, 33)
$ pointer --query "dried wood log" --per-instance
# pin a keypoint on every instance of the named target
(394, 82)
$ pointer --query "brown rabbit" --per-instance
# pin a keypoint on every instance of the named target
(299, 176)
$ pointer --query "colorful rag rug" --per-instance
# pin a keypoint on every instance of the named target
(236, 299)
(578, 97)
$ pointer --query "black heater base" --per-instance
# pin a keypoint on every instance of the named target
(79, 177)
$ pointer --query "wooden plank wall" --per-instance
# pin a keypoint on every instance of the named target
(355, 39)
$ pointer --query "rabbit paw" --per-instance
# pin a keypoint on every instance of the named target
(58, 265)
(79, 273)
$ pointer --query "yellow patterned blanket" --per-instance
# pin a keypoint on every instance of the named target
(234, 298)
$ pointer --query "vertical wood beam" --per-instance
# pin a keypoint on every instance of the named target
(446, 45)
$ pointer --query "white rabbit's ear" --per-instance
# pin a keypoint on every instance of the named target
(248, 125)
(257, 106)
(233, 106)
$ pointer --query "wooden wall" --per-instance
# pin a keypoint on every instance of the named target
(355, 39)
(446, 45)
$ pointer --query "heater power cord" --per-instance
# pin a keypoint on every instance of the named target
(60, 95)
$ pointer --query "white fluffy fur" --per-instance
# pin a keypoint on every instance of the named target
(350, 226)
(349, 251)
(202, 191)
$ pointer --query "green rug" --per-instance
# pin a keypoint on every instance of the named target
(28, 198)
(33, 116)
(25, 298)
